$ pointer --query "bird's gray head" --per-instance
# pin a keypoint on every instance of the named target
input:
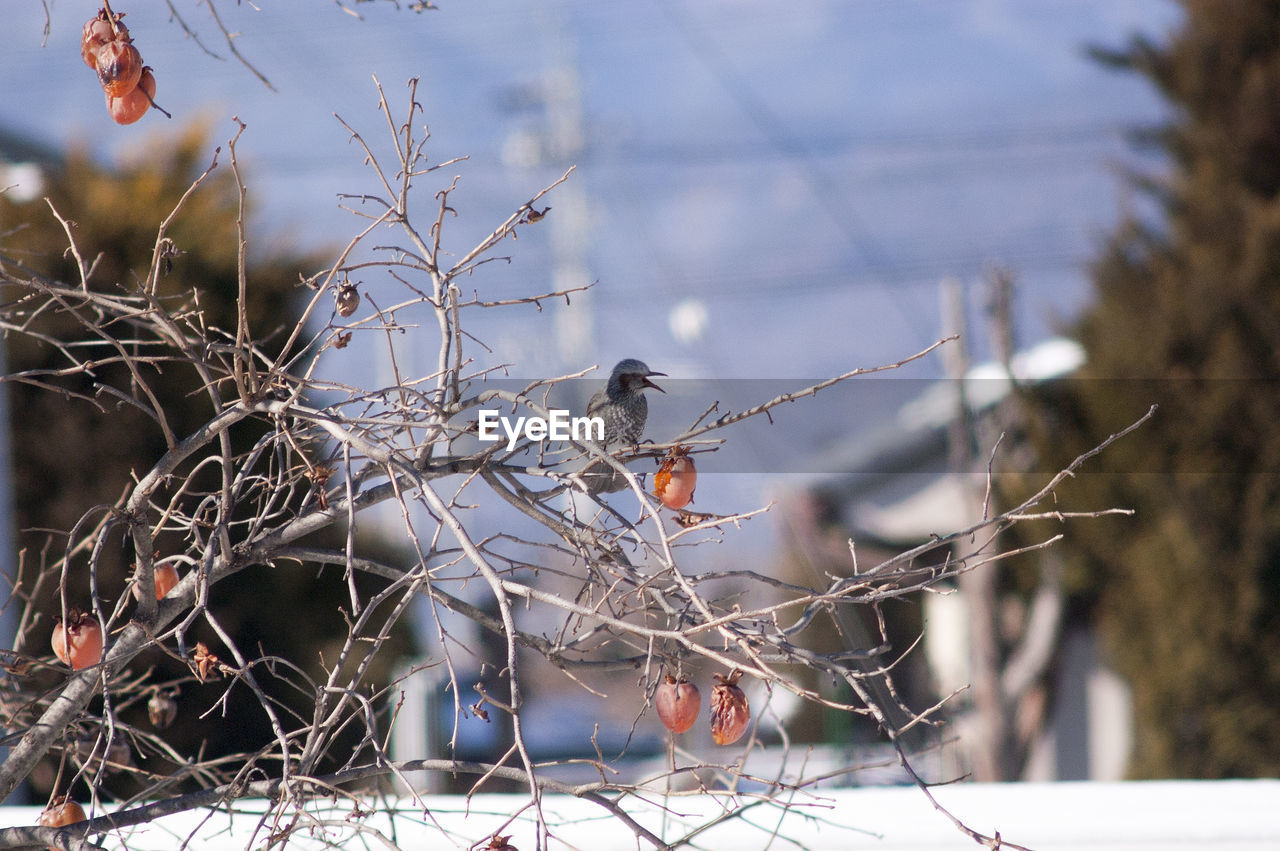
(631, 376)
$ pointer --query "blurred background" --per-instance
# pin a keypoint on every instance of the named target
(767, 192)
(745, 170)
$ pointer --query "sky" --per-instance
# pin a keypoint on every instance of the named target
(769, 189)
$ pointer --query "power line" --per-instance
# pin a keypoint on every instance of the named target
(843, 215)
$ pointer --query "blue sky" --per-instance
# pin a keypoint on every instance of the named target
(805, 172)
(801, 175)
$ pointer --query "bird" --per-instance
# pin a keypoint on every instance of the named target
(621, 402)
(622, 406)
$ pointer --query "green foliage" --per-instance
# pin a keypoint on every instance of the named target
(72, 454)
(1187, 315)
(78, 450)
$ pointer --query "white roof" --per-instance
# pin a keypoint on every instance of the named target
(987, 383)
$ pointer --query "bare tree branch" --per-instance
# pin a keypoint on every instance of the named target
(566, 582)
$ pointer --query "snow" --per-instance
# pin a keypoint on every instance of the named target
(1234, 815)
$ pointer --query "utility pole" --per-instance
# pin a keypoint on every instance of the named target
(574, 320)
(557, 144)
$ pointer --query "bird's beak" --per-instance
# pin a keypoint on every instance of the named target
(647, 383)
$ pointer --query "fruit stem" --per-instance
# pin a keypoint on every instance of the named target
(111, 18)
(151, 100)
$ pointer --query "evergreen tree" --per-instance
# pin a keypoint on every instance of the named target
(78, 449)
(1187, 315)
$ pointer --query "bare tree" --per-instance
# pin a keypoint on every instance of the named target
(612, 585)
(1009, 672)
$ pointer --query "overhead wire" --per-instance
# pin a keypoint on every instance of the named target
(843, 215)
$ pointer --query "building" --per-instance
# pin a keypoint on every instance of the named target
(897, 488)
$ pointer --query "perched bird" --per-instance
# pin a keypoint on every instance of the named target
(624, 409)
(621, 403)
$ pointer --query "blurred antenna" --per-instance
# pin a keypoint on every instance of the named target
(558, 142)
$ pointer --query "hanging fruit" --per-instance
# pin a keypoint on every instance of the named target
(61, 812)
(162, 709)
(676, 478)
(166, 578)
(119, 67)
(107, 48)
(677, 702)
(347, 299)
(729, 710)
(98, 30)
(78, 642)
(134, 104)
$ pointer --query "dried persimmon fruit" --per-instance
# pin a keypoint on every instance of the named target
(676, 479)
(677, 702)
(729, 710)
(133, 105)
(119, 67)
(78, 642)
